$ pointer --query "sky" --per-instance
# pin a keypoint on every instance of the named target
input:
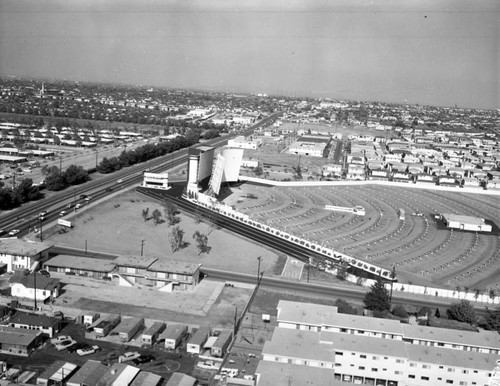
(430, 52)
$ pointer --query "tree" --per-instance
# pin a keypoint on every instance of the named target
(145, 213)
(171, 212)
(55, 182)
(75, 175)
(258, 170)
(176, 239)
(463, 311)
(344, 307)
(156, 216)
(377, 299)
(400, 311)
(201, 242)
(491, 319)
(424, 311)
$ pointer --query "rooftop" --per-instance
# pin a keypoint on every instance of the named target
(174, 266)
(30, 319)
(135, 261)
(485, 339)
(275, 373)
(84, 263)
(145, 378)
(19, 247)
(454, 358)
(32, 280)
(307, 313)
(11, 335)
(463, 219)
(299, 344)
(89, 373)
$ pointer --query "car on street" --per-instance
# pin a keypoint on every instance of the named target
(76, 347)
(63, 213)
(119, 181)
(83, 196)
(128, 356)
(79, 205)
(43, 213)
(60, 339)
(70, 205)
(14, 232)
(2, 232)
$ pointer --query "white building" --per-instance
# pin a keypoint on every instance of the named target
(20, 254)
(155, 181)
(364, 350)
(314, 149)
(242, 143)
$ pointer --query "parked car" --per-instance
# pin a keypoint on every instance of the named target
(60, 339)
(89, 350)
(145, 358)
(128, 356)
(65, 344)
(77, 347)
(44, 272)
(14, 232)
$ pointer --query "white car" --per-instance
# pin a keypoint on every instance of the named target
(14, 232)
(128, 356)
(65, 344)
(60, 339)
(63, 213)
(87, 350)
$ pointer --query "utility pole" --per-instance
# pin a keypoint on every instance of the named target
(393, 276)
(34, 284)
(41, 230)
(60, 163)
(142, 246)
(96, 155)
(258, 269)
(74, 199)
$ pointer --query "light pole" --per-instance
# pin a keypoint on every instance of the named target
(96, 155)
(41, 230)
(258, 269)
(142, 246)
(74, 199)
(60, 163)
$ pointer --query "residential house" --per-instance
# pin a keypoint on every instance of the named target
(18, 254)
(31, 321)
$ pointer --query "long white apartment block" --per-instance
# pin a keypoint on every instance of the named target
(363, 350)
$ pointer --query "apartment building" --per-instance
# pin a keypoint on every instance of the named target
(364, 350)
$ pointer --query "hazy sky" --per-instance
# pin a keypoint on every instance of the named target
(427, 52)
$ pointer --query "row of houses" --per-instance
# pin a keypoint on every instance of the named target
(316, 342)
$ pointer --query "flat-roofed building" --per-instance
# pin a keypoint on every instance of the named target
(155, 181)
(128, 328)
(467, 223)
(82, 266)
(20, 254)
(89, 374)
(152, 333)
(313, 149)
(165, 274)
(220, 346)
(173, 335)
(104, 325)
(197, 340)
(278, 373)
(19, 341)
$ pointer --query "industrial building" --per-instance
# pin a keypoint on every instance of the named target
(155, 181)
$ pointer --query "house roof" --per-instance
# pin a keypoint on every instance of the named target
(89, 373)
(173, 331)
(128, 324)
(19, 247)
(308, 313)
(145, 378)
(11, 335)
(179, 379)
(83, 263)
(31, 319)
(120, 373)
(42, 282)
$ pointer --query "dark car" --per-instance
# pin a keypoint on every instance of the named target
(145, 358)
(44, 272)
(83, 196)
(78, 346)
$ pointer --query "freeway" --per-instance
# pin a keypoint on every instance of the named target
(26, 216)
